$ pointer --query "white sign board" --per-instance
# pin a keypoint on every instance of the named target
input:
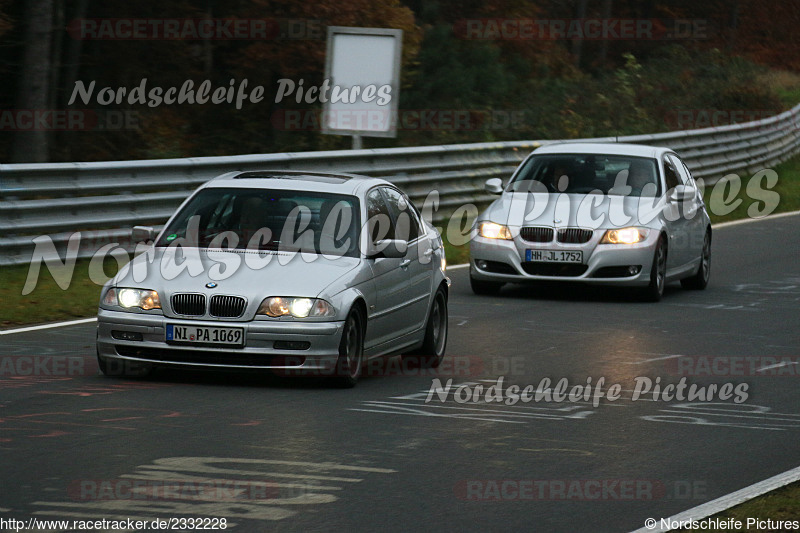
(363, 68)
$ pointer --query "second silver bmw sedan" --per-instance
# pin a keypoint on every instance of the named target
(291, 271)
(611, 214)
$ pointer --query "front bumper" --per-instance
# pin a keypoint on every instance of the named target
(258, 352)
(603, 264)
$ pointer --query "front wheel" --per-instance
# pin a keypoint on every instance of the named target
(351, 351)
(658, 274)
(699, 280)
(431, 354)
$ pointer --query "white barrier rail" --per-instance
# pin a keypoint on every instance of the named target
(104, 199)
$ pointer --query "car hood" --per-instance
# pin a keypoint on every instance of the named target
(573, 210)
(237, 272)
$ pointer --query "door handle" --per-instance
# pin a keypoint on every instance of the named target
(428, 252)
(405, 263)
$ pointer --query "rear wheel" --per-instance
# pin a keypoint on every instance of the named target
(351, 351)
(658, 273)
(699, 280)
(484, 287)
(431, 354)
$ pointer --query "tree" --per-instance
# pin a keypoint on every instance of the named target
(34, 83)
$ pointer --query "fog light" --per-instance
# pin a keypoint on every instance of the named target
(481, 264)
(634, 269)
(291, 345)
(126, 335)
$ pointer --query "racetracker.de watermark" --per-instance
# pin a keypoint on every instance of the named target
(590, 29)
(734, 366)
(188, 29)
(69, 120)
(695, 119)
(404, 120)
(224, 490)
(606, 490)
(12, 366)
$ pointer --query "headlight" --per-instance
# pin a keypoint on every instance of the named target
(490, 230)
(625, 236)
(127, 298)
(275, 306)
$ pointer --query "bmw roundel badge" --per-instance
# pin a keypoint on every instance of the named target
(211, 285)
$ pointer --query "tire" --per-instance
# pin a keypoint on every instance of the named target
(699, 280)
(120, 368)
(431, 353)
(485, 288)
(351, 352)
(102, 364)
(658, 273)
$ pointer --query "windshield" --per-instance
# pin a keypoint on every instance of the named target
(263, 219)
(588, 173)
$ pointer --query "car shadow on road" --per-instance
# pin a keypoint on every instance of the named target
(576, 292)
(243, 378)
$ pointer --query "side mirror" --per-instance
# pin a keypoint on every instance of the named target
(494, 186)
(681, 193)
(143, 234)
(388, 248)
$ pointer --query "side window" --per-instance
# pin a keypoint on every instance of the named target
(683, 172)
(379, 220)
(407, 223)
(689, 174)
(670, 175)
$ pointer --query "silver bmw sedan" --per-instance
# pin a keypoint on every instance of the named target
(297, 272)
(612, 214)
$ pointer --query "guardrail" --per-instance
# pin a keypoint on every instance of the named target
(103, 200)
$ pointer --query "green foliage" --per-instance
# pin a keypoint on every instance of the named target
(453, 75)
(505, 89)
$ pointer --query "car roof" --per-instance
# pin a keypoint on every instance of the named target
(635, 150)
(297, 180)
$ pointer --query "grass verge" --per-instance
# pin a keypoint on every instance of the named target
(48, 302)
(779, 505)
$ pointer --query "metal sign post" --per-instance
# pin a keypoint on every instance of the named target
(362, 67)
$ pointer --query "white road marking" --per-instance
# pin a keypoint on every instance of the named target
(422, 397)
(777, 419)
(761, 417)
(48, 326)
(733, 499)
(778, 365)
(224, 471)
(487, 410)
(665, 356)
(165, 476)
